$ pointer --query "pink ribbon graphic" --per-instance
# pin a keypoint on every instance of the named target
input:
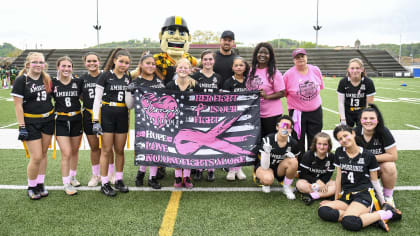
(188, 141)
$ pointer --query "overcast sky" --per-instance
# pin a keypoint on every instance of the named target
(69, 24)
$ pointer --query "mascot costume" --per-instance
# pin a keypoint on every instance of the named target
(175, 41)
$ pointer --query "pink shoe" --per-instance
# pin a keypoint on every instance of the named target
(178, 182)
(187, 182)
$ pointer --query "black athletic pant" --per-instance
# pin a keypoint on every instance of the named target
(311, 124)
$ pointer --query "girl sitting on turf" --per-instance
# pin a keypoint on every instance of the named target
(278, 158)
(316, 169)
(376, 138)
(356, 182)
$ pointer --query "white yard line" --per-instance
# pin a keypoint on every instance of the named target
(412, 126)
(327, 109)
(195, 189)
(8, 126)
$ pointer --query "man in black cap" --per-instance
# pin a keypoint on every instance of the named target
(224, 56)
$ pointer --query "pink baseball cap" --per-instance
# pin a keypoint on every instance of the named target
(298, 51)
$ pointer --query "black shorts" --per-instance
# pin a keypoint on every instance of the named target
(353, 118)
(274, 168)
(87, 122)
(361, 197)
(36, 129)
(114, 119)
(68, 128)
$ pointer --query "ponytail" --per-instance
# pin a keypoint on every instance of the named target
(115, 54)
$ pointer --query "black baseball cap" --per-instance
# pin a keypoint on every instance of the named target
(228, 34)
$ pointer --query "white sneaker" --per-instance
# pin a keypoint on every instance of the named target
(111, 178)
(390, 201)
(240, 174)
(287, 190)
(94, 181)
(266, 189)
(74, 181)
(231, 175)
(69, 189)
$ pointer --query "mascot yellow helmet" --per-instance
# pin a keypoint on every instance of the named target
(175, 37)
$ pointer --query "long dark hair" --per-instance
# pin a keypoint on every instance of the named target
(115, 54)
(246, 65)
(271, 62)
(380, 127)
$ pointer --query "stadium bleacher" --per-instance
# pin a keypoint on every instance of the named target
(332, 62)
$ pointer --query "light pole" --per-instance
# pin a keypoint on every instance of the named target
(317, 27)
(97, 27)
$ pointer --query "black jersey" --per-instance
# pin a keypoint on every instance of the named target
(355, 172)
(234, 85)
(36, 100)
(277, 153)
(114, 88)
(208, 84)
(313, 168)
(377, 144)
(174, 86)
(67, 98)
(88, 92)
(355, 97)
(223, 64)
(156, 82)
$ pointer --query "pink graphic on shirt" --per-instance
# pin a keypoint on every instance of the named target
(254, 83)
(308, 90)
(159, 110)
(188, 141)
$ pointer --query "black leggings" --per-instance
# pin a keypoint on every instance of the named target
(311, 124)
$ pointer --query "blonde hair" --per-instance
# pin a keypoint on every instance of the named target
(358, 61)
(191, 81)
(46, 79)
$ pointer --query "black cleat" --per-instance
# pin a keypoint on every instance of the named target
(108, 190)
(197, 175)
(210, 176)
(307, 199)
(33, 193)
(154, 183)
(396, 214)
(161, 172)
(42, 191)
(139, 178)
(119, 184)
(381, 224)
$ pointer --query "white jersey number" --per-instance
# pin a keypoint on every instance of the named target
(354, 102)
(41, 96)
(120, 96)
(68, 101)
(91, 93)
(350, 177)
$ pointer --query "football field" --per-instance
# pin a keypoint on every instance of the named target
(217, 208)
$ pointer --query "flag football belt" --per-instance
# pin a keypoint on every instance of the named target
(114, 104)
(372, 195)
(45, 115)
(69, 114)
(89, 110)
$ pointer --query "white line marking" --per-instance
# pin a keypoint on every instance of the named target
(330, 110)
(8, 125)
(195, 189)
(412, 126)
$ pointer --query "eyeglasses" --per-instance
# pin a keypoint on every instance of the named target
(38, 62)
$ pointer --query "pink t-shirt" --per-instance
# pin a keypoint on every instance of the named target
(268, 108)
(302, 91)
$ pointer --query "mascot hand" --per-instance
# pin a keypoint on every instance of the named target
(131, 87)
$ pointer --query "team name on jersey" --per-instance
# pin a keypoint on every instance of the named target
(355, 95)
(376, 151)
(117, 87)
(67, 94)
(351, 167)
(90, 85)
(240, 89)
(317, 171)
(203, 85)
(38, 88)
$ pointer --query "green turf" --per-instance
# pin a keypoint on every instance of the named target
(7, 108)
